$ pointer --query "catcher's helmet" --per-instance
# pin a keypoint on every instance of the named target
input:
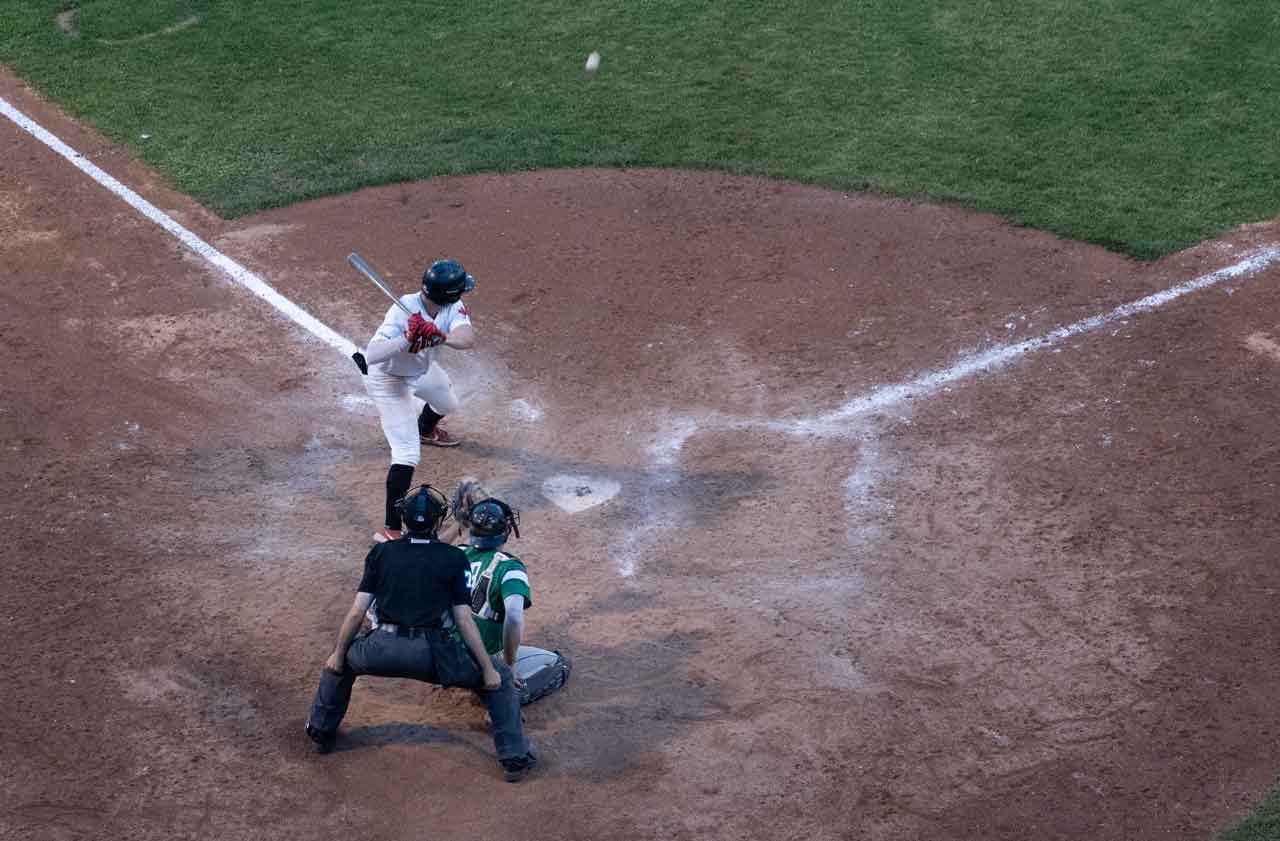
(445, 281)
(422, 509)
(491, 521)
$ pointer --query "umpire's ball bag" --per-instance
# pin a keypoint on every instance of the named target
(454, 664)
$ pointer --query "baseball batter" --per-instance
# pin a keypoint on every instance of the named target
(403, 371)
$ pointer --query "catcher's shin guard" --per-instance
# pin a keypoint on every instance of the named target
(542, 671)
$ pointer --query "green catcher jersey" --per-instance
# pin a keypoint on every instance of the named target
(495, 577)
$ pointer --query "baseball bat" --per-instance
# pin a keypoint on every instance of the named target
(357, 262)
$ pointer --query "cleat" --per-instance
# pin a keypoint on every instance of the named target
(439, 438)
(515, 770)
(323, 741)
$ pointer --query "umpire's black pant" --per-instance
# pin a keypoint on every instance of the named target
(387, 654)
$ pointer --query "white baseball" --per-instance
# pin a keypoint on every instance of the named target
(593, 63)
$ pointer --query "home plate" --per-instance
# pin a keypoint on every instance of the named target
(578, 493)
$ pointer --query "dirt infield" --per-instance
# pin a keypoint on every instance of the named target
(1039, 603)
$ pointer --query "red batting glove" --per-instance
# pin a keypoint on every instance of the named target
(421, 333)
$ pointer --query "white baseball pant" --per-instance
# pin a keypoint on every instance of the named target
(399, 399)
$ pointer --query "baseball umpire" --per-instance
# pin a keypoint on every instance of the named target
(403, 369)
(425, 632)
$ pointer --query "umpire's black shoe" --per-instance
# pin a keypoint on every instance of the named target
(515, 770)
(323, 741)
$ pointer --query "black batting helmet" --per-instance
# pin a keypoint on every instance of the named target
(491, 521)
(422, 509)
(445, 281)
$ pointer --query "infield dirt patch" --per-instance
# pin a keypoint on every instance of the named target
(1038, 604)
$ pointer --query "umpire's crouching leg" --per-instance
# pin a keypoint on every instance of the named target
(503, 704)
(333, 696)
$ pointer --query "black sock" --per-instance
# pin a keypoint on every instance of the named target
(399, 478)
(427, 420)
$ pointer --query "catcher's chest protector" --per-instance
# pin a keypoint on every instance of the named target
(485, 601)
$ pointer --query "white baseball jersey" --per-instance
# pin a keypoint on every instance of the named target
(405, 364)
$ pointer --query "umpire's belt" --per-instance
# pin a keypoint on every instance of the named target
(408, 630)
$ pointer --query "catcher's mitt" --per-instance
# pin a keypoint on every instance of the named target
(469, 492)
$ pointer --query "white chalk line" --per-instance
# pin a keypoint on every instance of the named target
(835, 422)
(887, 396)
(828, 423)
(231, 268)
(665, 453)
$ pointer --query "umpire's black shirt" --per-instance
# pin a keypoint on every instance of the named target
(416, 580)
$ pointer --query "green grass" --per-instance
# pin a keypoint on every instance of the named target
(1143, 126)
(1262, 825)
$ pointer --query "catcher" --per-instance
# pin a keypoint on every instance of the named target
(500, 591)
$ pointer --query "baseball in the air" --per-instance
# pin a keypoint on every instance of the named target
(593, 63)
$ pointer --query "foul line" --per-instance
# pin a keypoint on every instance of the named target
(231, 268)
(885, 396)
(827, 423)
